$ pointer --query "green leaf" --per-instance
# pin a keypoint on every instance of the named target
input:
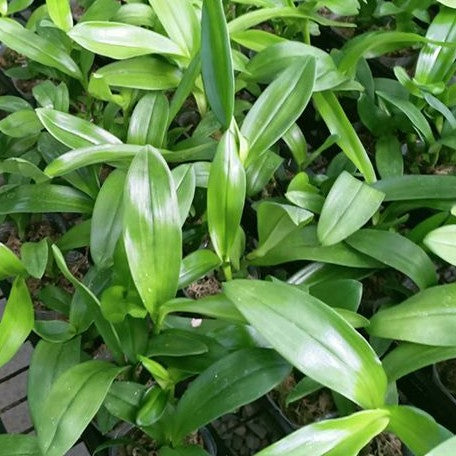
(149, 121)
(350, 433)
(49, 361)
(175, 342)
(180, 22)
(72, 403)
(17, 320)
(388, 157)
(225, 195)
(60, 13)
(185, 183)
(449, 446)
(425, 318)
(76, 237)
(37, 48)
(40, 198)
(339, 293)
(260, 171)
(409, 357)
(10, 265)
(183, 451)
(9, 103)
(134, 14)
(217, 65)
(235, 380)
(348, 206)
(121, 41)
(20, 124)
(23, 168)
(19, 445)
(123, 400)
(196, 265)
(152, 229)
(153, 406)
(313, 337)
(106, 225)
(418, 430)
(279, 106)
(338, 124)
(73, 131)
(302, 389)
(397, 252)
(34, 256)
(442, 242)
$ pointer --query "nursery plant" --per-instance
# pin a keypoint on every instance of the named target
(259, 193)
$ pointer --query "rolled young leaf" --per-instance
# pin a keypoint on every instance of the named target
(17, 320)
(313, 337)
(72, 403)
(235, 380)
(216, 59)
(426, 318)
(348, 206)
(398, 252)
(152, 229)
(225, 195)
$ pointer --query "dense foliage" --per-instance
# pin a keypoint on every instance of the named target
(255, 190)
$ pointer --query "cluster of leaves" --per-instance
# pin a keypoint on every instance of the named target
(164, 130)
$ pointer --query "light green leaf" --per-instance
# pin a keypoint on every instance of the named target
(448, 446)
(10, 265)
(34, 256)
(349, 205)
(388, 157)
(442, 242)
(185, 183)
(313, 337)
(60, 13)
(20, 124)
(152, 229)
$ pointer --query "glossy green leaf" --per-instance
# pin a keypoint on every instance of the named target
(261, 170)
(415, 187)
(279, 106)
(19, 445)
(448, 446)
(397, 252)
(17, 320)
(235, 380)
(73, 131)
(72, 403)
(123, 400)
(76, 237)
(217, 65)
(409, 357)
(185, 183)
(339, 293)
(10, 265)
(313, 337)
(34, 256)
(9, 103)
(338, 124)
(37, 48)
(60, 13)
(153, 406)
(318, 439)
(418, 430)
(425, 318)
(388, 157)
(349, 205)
(225, 195)
(44, 198)
(135, 14)
(121, 41)
(20, 124)
(149, 121)
(181, 23)
(106, 225)
(442, 242)
(49, 361)
(23, 168)
(152, 229)
(196, 265)
(175, 342)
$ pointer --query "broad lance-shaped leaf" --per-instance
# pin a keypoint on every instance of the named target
(428, 317)
(235, 380)
(331, 437)
(73, 131)
(19, 445)
(398, 252)
(72, 403)
(225, 195)
(60, 13)
(278, 107)
(121, 41)
(442, 242)
(37, 48)
(216, 59)
(348, 206)
(152, 229)
(338, 124)
(17, 320)
(418, 430)
(313, 337)
(49, 361)
(34, 256)
(106, 226)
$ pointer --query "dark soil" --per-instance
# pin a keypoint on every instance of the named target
(206, 286)
(447, 374)
(385, 444)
